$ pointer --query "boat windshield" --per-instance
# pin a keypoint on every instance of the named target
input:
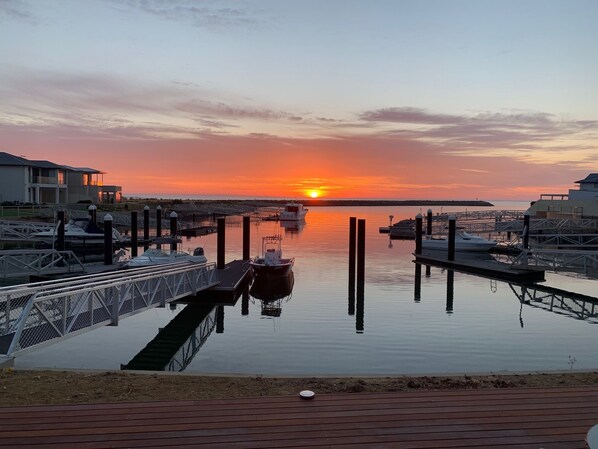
(155, 252)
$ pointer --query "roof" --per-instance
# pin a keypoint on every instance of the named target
(83, 169)
(592, 177)
(45, 164)
(9, 159)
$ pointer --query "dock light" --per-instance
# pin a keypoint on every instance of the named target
(307, 394)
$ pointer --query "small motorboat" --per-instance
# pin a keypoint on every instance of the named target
(463, 242)
(404, 229)
(78, 232)
(160, 256)
(271, 262)
(293, 212)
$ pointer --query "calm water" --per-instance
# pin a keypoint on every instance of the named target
(484, 327)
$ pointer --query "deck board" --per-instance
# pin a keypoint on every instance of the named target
(508, 418)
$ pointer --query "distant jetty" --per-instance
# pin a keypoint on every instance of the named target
(334, 202)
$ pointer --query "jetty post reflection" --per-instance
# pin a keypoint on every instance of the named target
(245, 302)
(219, 319)
(450, 290)
(417, 294)
(359, 319)
(352, 248)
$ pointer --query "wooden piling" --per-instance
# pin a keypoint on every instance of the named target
(93, 213)
(134, 242)
(146, 227)
(352, 247)
(452, 222)
(173, 229)
(246, 236)
(429, 223)
(418, 234)
(159, 221)
(526, 221)
(108, 250)
(60, 243)
(220, 243)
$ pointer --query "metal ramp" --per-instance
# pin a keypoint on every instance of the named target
(27, 262)
(21, 230)
(176, 345)
(39, 313)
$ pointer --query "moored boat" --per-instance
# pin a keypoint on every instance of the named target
(293, 212)
(160, 256)
(404, 229)
(463, 242)
(78, 232)
(271, 262)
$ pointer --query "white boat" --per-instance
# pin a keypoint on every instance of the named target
(78, 232)
(271, 262)
(463, 242)
(293, 212)
(161, 256)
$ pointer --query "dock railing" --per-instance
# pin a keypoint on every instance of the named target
(35, 314)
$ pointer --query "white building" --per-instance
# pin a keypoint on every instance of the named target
(582, 202)
(39, 182)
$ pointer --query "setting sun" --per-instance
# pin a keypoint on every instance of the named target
(313, 193)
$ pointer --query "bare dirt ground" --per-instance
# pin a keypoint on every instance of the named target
(19, 387)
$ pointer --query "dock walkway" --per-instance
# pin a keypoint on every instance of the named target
(519, 418)
(481, 264)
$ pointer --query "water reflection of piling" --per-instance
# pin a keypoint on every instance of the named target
(108, 239)
(220, 223)
(246, 237)
(359, 326)
(428, 271)
(418, 283)
(450, 284)
(352, 248)
(60, 245)
(146, 227)
(245, 303)
(220, 319)
(134, 242)
(352, 240)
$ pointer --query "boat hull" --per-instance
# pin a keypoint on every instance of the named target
(260, 268)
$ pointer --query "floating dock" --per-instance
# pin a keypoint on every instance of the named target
(482, 265)
(233, 279)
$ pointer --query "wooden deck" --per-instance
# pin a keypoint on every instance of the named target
(508, 418)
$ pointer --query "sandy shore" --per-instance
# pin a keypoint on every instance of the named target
(21, 387)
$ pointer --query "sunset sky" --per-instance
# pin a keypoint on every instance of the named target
(351, 99)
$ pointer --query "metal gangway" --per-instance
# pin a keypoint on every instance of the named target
(27, 262)
(21, 230)
(193, 344)
(39, 313)
(573, 305)
(571, 260)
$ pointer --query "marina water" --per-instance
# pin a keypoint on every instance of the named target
(478, 325)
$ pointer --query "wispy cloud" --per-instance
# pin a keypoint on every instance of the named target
(16, 9)
(208, 14)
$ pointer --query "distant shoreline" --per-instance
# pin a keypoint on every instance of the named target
(309, 202)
